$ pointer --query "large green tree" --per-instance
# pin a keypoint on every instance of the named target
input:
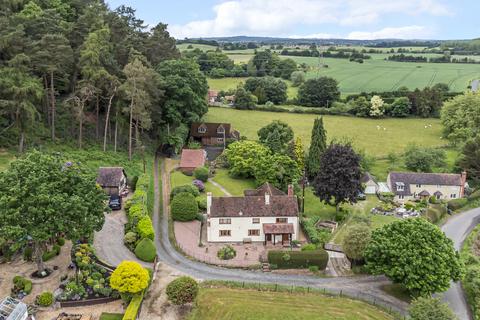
(280, 170)
(318, 144)
(420, 159)
(276, 136)
(267, 89)
(19, 92)
(242, 157)
(461, 117)
(43, 196)
(470, 158)
(160, 46)
(338, 180)
(416, 254)
(320, 92)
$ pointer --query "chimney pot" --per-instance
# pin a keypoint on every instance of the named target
(290, 190)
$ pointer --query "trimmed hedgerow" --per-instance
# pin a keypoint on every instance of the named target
(201, 174)
(457, 203)
(182, 290)
(184, 207)
(188, 188)
(145, 250)
(145, 228)
(298, 259)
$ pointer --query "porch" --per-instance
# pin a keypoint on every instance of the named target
(278, 233)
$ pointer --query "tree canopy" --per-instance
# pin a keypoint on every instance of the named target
(320, 92)
(318, 145)
(276, 136)
(461, 117)
(416, 254)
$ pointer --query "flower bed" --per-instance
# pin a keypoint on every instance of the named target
(92, 280)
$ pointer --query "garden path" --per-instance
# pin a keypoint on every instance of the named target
(219, 186)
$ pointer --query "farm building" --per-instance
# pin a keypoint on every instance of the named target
(265, 215)
(414, 185)
(192, 159)
(112, 179)
(213, 134)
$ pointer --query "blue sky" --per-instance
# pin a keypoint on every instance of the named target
(353, 19)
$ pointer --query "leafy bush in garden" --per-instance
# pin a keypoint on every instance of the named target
(130, 238)
(192, 189)
(202, 203)
(145, 228)
(457, 203)
(309, 247)
(316, 236)
(45, 299)
(145, 250)
(201, 174)
(184, 207)
(298, 259)
(60, 241)
(226, 253)
(129, 278)
(21, 284)
(199, 185)
(182, 290)
(48, 255)
(430, 308)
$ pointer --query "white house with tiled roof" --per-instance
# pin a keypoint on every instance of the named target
(265, 215)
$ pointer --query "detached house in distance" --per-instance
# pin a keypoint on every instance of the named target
(265, 215)
(112, 179)
(413, 186)
(212, 134)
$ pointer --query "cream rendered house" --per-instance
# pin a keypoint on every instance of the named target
(413, 186)
(265, 215)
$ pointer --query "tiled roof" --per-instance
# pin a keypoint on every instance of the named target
(253, 204)
(211, 130)
(110, 176)
(408, 178)
(367, 177)
(192, 158)
(278, 228)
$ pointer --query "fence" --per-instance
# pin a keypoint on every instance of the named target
(88, 302)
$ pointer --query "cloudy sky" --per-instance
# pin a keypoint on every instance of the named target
(352, 19)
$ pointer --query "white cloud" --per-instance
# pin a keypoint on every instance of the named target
(407, 32)
(278, 17)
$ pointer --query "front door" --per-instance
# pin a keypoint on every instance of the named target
(285, 238)
(268, 237)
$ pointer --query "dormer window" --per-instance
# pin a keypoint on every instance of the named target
(220, 129)
(202, 129)
(400, 186)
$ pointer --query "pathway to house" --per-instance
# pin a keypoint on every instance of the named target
(475, 85)
(365, 287)
(219, 186)
(108, 242)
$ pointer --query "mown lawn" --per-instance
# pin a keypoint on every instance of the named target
(235, 186)
(177, 178)
(376, 137)
(237, 304)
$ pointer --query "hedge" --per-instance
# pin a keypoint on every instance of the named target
(138, 211)
(298, 259)
(145, 250)
(182, 290)
(474, 196)
(184, 207)
(201, 174)
(435, 213)
(133, 307)
(457, 203)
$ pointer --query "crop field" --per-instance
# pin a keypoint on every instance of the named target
(378, 137)
(236, 304)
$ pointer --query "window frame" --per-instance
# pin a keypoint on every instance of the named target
(253, 232)
(224, 233)
(281, 220)
(255, 220)
(225, 221)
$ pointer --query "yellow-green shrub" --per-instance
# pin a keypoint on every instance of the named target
(129, 277)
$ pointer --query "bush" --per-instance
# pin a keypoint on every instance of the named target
(430, 308)
(61, 241)
(22, 284)
(199, 185)
(182, 290)
(194, 191)
(226, 253)
(457, 203)
(313, 269)
(45, 299)
(132, 183)
(309, 247)
(27, 254)
(435, 213)
(48, 255)
(184, 207)
(130, 277)
(201, 174)
(299, 259)
(202, 203)
(145, 250)
(130, 238)
(474, 196)
(145, 228)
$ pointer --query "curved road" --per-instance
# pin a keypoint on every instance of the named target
(458, 228)
(366, 288)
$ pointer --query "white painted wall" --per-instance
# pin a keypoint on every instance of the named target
(447, 191)
(240, 226)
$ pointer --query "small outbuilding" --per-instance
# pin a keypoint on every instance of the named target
(371, 186)
(192, 159)
(112, 179)
(13, 309)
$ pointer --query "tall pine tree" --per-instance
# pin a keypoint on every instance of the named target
(318, 145)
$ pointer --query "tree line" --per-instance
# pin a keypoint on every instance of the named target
(78, 69)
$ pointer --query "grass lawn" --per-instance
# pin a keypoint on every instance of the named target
(111, 316)
(177, 178)
(363, 133)
(233, 185)
(236, 304)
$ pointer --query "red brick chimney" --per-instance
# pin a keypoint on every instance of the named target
(290, 190)
(463, 181)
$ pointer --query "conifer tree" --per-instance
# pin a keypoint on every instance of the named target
(318, 145)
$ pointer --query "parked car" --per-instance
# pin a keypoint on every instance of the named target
(115, 202)
(362, 196)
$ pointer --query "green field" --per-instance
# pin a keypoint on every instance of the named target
(235, 304)
(232, 83)
(363, 133)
